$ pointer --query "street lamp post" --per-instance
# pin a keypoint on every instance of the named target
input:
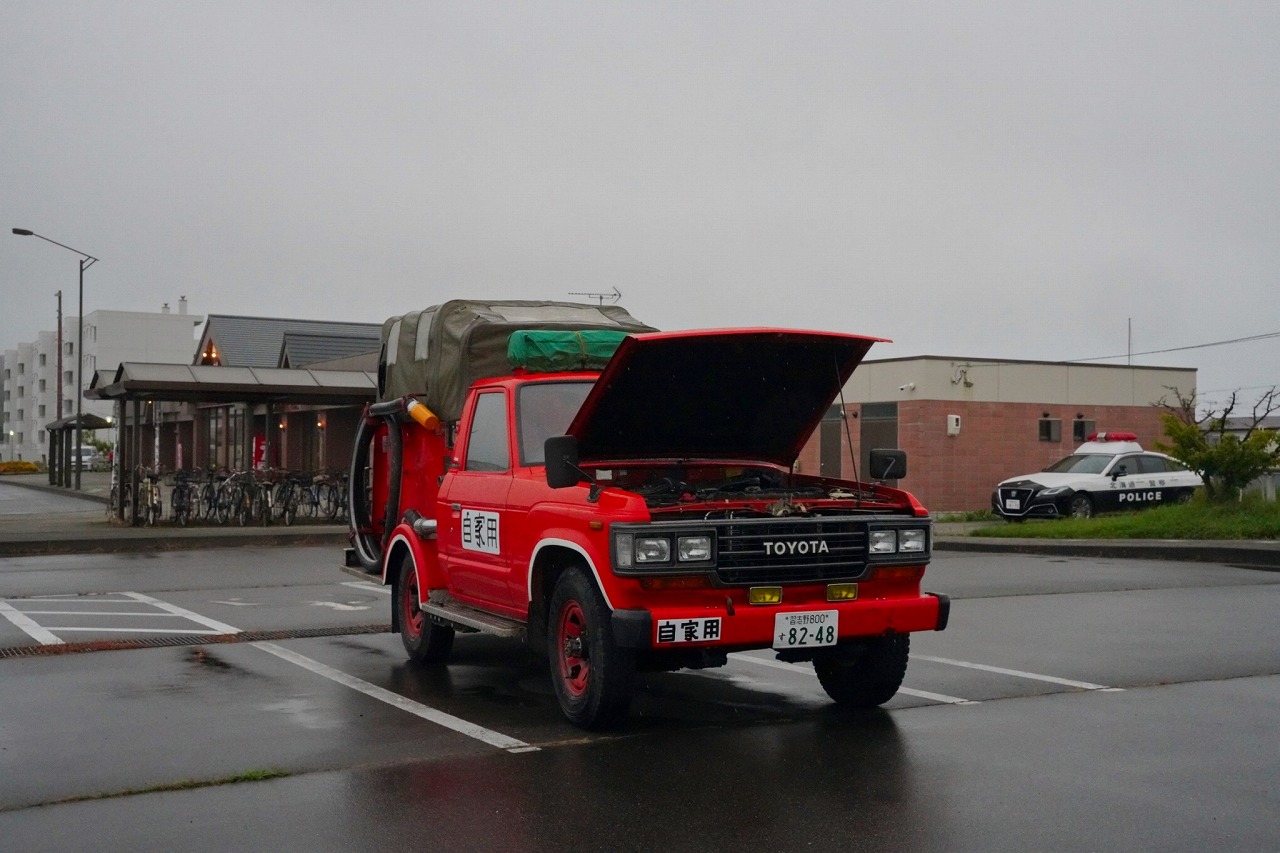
(86, 261)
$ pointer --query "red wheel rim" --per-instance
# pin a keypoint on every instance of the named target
(410, 615)
(571, 636)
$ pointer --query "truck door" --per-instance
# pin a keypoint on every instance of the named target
(473, 499)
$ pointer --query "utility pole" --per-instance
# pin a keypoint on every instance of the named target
(61, 414)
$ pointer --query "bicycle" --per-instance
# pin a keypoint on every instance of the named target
(182, 498)
(113, 501)
(330, 495)
(287, 497)
(230, 499)
(205, 506)
(262, 496)
(153, 508)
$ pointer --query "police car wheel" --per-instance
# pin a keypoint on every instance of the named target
(592, 676)
(1080, 507)
(1183, 497)
(863, 674)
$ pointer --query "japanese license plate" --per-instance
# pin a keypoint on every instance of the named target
(1012, 503)
(806, 629)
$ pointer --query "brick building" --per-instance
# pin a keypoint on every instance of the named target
(966, 424)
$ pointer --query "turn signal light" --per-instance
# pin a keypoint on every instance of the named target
(679, 582)
(765, 595)
(903, 573)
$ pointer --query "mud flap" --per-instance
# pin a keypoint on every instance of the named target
(632, 629)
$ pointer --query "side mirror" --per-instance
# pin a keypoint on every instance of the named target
(1121, 471)
(888, 464)
(561, 455)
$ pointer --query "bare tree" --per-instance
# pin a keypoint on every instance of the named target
(1228, 450)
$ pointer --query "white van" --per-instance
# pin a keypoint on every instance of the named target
(89, 457)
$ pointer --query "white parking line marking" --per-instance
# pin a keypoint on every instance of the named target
(795, 667)
(1066, 682)
(218, 627)
(395, 700)
(25, 623)
(149, 614)
(938, 697)
(368, 586)
(182, 631)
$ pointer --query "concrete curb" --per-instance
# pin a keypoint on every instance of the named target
(1254, 555)
(140, 540)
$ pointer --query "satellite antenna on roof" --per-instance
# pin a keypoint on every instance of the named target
(601, 297)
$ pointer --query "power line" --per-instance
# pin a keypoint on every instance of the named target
(1183, 349)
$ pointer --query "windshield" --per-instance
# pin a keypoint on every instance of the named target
(545, 409)
(1081, 463)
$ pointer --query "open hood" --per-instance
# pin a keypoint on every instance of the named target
(741, 394)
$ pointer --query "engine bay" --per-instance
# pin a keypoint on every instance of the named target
(744, 491)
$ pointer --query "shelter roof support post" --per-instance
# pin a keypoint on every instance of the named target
(54, 455)
(135, 445)
(246, 439)
(267, 430)
(66, 458)
(117, 481)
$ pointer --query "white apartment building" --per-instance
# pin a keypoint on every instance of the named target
(39, 377)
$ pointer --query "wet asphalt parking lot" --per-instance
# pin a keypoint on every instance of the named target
(1072, 704)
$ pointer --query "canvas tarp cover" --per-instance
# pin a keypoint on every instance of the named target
(546, 352)
(437, 353)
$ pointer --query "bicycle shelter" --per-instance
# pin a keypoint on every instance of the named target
(62, 442)
(260, 392)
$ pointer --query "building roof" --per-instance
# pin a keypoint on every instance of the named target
(213, 384)
(300, 349)
(234, 341)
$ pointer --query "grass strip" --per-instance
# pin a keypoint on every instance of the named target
(182, 785)
(1250, 519)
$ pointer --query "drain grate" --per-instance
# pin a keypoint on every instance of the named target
(190, 640)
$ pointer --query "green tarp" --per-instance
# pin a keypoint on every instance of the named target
(549, 352)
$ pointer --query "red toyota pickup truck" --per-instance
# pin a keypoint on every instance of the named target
(625, 500)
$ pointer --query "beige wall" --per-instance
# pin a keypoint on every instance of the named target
(974, 380)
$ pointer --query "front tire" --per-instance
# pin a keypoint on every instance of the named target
(425, 641)
(866, 673)
(592, 676)
(1081, 506)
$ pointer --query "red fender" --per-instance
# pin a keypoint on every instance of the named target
(425, 557)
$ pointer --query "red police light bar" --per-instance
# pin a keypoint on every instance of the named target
(1113, 436)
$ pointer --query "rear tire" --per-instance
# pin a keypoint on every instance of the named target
(863, 673)
(592, 676)
(425, 641)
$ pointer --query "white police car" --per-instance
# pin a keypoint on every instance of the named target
(1108, 472)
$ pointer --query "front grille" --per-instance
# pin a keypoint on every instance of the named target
(782, 551)
(1017, 493)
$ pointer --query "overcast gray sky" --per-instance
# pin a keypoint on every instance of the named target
(984, 180)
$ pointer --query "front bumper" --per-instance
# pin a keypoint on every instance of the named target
(752, 627)
(1020, 503)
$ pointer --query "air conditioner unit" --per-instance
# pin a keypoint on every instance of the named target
(953, 424)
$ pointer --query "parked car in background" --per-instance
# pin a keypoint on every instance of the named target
(1108, 472)
(89, 458)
